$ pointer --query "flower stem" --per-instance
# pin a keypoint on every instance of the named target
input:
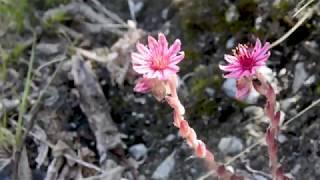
(190, 136)
(272, 133)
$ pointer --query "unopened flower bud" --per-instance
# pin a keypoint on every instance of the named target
(201, 149)
(184, 128)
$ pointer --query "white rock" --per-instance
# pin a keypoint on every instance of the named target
(170, 137)
(138, 151)
(288, 103)
(268, 73)
(47, 49)
(8, 104)
(258, 22)
(300, 76)
(230, 43)
(165, 168)
(311, 80)
(282, 138)
(255, 112)
(135, 7)
(252, 97)
(282, 72)
(210, 91)
(232, 14)
(229, 87)
(230, 145)
(258, 177)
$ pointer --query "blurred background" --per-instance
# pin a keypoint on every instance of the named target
(68, 110)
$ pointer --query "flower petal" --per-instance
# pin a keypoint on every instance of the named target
(143, 49)
(163, 43)
(138, 59)
(174, 67)
(167, 73)
(229, 68)
(176, 59)
(257, 45)
(263, 57)
(152, 43)
(262, 51)
(234, 74)
(242, 49)
(174, 48)
(260, 63)
(230, 59)
(140, 69)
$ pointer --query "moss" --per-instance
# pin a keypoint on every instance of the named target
(53, 3)
(205, 15)
(11, 58)
(57, 18)
(193, 58)
(7, 142)
(240, 104)
(198, 87)
(280, 10)
(318, 89)
(205, 107)
(16, 52)
(15, 10)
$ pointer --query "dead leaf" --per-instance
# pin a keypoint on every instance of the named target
(94, 104)
(43, 148)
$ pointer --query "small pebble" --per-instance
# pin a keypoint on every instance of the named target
(138, 151)
(230, 145)
(165, 168)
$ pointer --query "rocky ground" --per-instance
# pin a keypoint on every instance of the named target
(83, 120)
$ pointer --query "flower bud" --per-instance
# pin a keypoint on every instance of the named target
(201, 149)
(184, 128)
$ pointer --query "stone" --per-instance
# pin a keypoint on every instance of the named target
(165, 168)
(258, 177)
(210, 91)
(230, 145)
(286, 104)
(170, 137)
(232, 14)
(138, 151)
(254, 112)
(300, 75)
(47, 49)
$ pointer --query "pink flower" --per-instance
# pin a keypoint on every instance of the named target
(157, 61)
(246, 60)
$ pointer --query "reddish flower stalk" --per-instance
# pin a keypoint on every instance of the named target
(157, 64)
(264, 88)
(191, 137)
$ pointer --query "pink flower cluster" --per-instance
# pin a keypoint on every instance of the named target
(157, 65)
